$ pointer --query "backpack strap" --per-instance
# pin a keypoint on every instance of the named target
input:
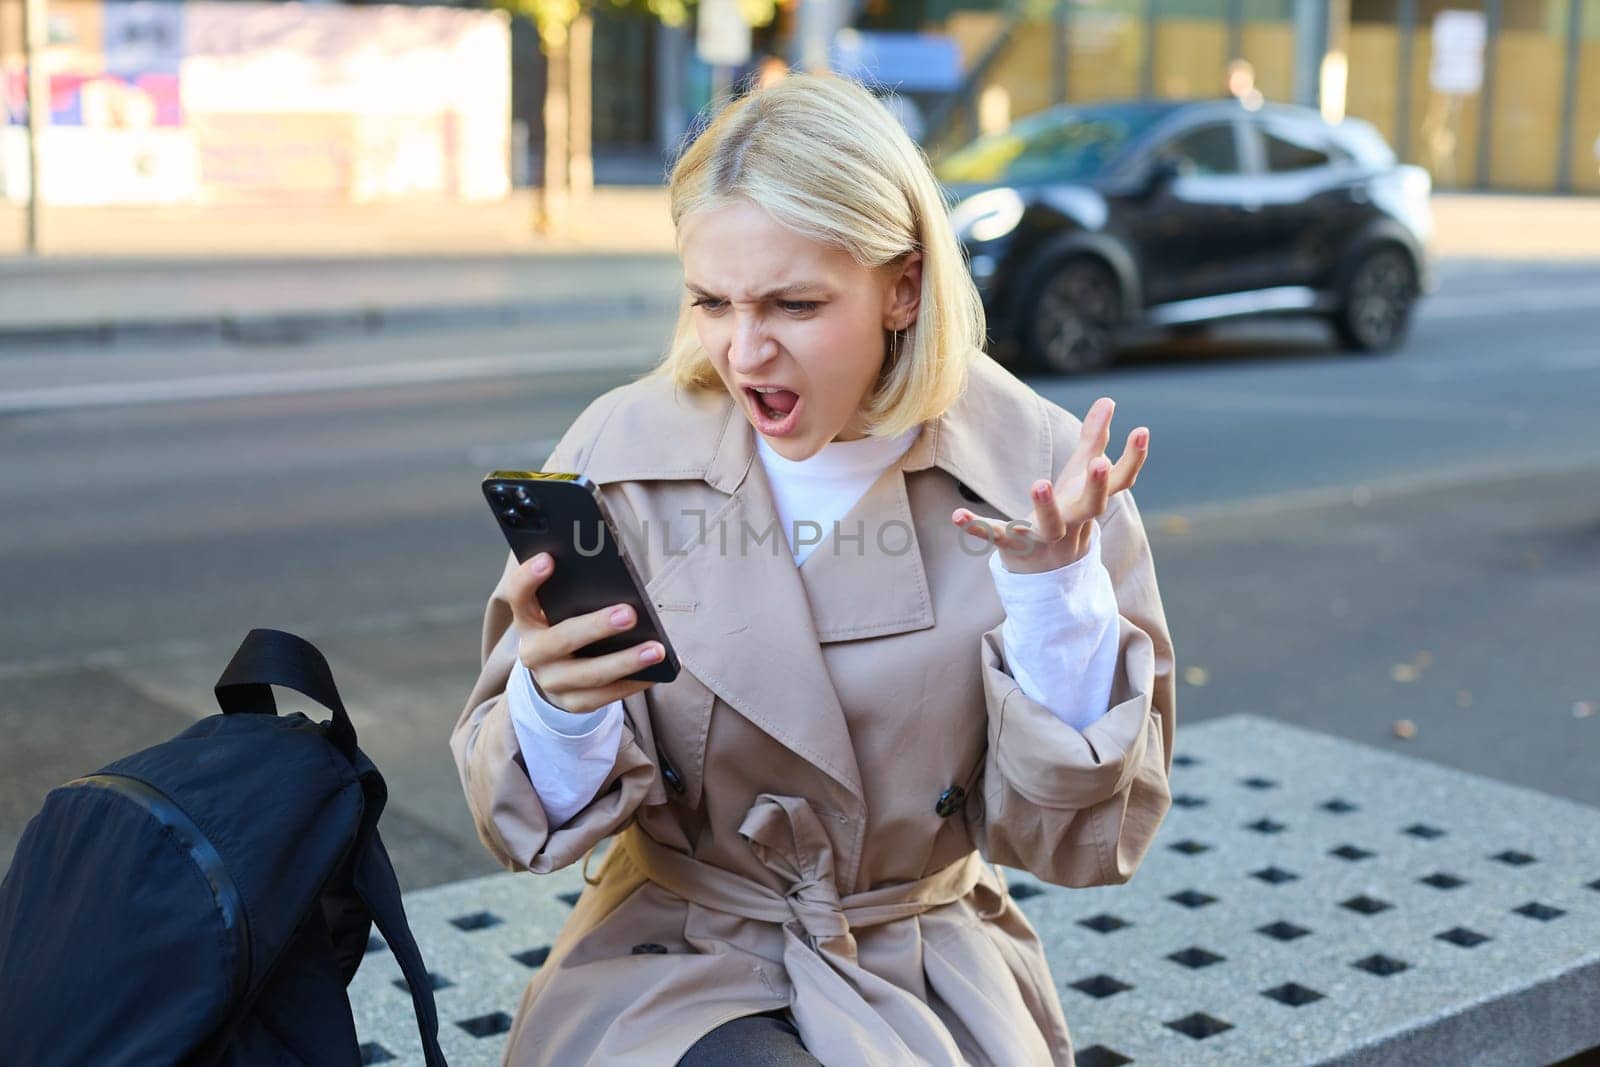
(273, 657)
(380, 891)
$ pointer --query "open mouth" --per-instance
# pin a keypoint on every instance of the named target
(774, 411)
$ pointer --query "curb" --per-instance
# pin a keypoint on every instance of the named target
(291, 327)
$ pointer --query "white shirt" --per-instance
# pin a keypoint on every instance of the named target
(1060, 632)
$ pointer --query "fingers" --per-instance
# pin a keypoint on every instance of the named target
(547, 644)
(1014, 536)
(1097, 488)
(522, 590)
(1095, 435)
(1048, 522)
(578, 678)
(1126, 472)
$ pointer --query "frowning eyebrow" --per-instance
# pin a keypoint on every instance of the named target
(781, 293)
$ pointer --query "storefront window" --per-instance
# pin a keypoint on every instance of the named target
(1444, 125)
(1267, 42)
(1191, 49)
(1105, 50)
(1530, 61)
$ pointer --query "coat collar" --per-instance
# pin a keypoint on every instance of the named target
(749, 624)
(996, 439)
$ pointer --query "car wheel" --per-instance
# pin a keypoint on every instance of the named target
(1072, 318)
(1375, 307)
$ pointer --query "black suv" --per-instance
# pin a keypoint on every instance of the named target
(1078, 221)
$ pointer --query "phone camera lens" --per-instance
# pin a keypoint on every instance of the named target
(512, 517)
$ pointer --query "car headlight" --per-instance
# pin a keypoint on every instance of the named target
(987, 216)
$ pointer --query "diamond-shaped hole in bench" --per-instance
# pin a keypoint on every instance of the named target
(1381, 965)
(1443, 880)
(1265, 826)
(1257, 782)
(1104, 923)
(1100, 986)
(1194, 957)
(1535, 910)
(1189, 800)
(1190, 847)
(1460, 935)
(1338, 806)
(1351, 853)
(375, 944)
(533, 957)
(1199, 1025)
(1595, 885)
(1512, 858)
(497, 1022)
(1292, 993)
(569, 899)
(1023, 890)
(1192, 898)
(1282, 930)
(1424, 831)
(1274, 875)
(436, 982)
(372, 1052)
(1100, 1056)
(1366, 905)
(478, 920)
(1185, 761)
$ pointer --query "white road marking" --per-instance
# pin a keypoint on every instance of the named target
(320, 380)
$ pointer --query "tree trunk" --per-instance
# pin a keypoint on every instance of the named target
(553, 192)
(580, 171)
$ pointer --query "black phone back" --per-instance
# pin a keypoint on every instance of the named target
(562, 514)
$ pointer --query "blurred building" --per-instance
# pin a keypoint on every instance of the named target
(213, 101)
(1489, 94)
(348, 102)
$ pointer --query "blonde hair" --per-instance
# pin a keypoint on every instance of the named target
(825, 158)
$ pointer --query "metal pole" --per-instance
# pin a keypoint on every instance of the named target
(1402, 103)
(1235, 30)
(1310, 45)
(1062, 14)
(1569, 95)
(1147, 71)
(34, 38)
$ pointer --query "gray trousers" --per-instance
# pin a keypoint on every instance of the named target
(767, 1040)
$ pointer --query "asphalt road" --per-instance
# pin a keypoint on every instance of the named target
(1341, 542)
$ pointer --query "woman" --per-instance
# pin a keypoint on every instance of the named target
(920, 634)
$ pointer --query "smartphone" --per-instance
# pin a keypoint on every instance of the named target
(563, 514)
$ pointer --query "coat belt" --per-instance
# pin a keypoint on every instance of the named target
(845, 1013)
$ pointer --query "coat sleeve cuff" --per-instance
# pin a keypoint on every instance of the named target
(1056, 765)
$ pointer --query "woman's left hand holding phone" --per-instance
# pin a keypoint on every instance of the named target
(570, 682)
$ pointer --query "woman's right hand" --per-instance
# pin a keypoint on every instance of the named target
(570, 682)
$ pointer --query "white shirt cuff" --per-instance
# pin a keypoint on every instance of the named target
(568, 755)
(1060, 634)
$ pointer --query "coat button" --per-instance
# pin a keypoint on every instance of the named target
(950, 802)
(649, 948)
(673, 779)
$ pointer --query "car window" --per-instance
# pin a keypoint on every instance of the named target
(1204, 151)
(1288, 150)
(1052, 146)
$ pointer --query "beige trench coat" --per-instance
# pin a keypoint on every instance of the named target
(778, 806)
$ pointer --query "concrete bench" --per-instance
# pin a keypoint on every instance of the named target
(1308, 901)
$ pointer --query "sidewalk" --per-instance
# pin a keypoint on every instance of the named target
(244, 272)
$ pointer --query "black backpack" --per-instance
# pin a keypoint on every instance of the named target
(207, 900)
